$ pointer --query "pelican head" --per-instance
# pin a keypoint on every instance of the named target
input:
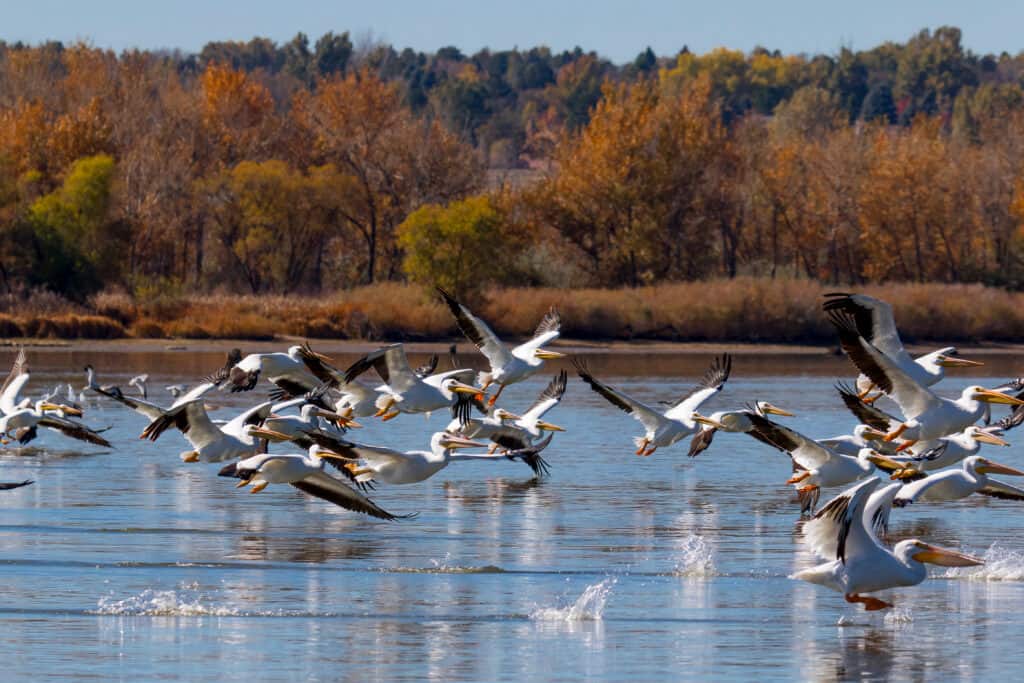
(447, 440)
(766, 408)
(317, 452)
(985, 436)
(949, 357)
(545, 354)
(985, 466)
(458, 387)
(919, 551)
(503, 415)
(715, 421)
(979, 393)
(47, 407)
(268, 434)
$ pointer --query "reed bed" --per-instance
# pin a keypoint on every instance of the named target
(743, 309)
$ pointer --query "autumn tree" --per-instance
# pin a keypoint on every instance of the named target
(390, 162)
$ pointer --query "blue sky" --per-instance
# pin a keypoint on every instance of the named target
(618, 30)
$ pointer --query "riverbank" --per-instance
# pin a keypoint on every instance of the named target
(742, 310)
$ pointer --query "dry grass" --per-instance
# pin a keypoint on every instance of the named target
(743, 309)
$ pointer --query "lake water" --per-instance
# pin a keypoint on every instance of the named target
(127, 564)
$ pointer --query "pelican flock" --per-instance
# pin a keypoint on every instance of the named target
(927, 445)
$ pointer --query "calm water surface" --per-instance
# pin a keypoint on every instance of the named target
(127, 564)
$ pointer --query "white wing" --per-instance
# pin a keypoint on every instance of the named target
(463, 375)
(332, 490)
(913, 398)
(875, 323)
(10, 398)
(236, 426)
(839, 530)
(712, 382)
(807, 452)
(477, 331)
(547, 399)
(648, 417)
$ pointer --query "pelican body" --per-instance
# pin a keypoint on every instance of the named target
(954, 484)
(306, 473)
(862, 564)
(507, 366)
(676, 423)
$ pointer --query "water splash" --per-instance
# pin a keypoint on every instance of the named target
(899, 616)
(445, 567)
(695, 558)
(164, 603)
(186, 601)
(1000, 565)
(588, 607)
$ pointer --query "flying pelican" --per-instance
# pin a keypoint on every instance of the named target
(875, 322)
(516, 432)
(210, 442)
(376, 463)
(152, 410)
(663, 429)
(927, 416)
(354, 398)
(862, 564)
(139, 382)
(176, 390)
(285, 369)
(20, 416)
(406, 392)
(929, 456)
(11, 399)
(24, 422)
(306, 473)
(507, 367)
(960, 482)
(816, 465)
(729, 421)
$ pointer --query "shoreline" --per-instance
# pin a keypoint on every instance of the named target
(348, 346)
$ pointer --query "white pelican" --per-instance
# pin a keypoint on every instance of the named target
(875, 322)
(152, 410)
(20, 416)
(960, 482)
(306, 473)
(139, 382)
(11, 399)
(210, 442)
(176, 390)
(929, 456)
(927, 416)
(729, 421)
(406, 392)
(664, 429)
(286, 370)
(507, 367)
(352, 399)
(516, 432)
(816, 466)
(862, 564)
(375, 463)
(24, 423)
(821, 538)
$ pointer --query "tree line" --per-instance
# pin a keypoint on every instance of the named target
(263, 168)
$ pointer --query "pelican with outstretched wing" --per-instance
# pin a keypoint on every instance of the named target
(306, 473)
(926, 415)
(663, 428)
(407, 392)
(875, 322)
(507, 366)
(861, 563)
